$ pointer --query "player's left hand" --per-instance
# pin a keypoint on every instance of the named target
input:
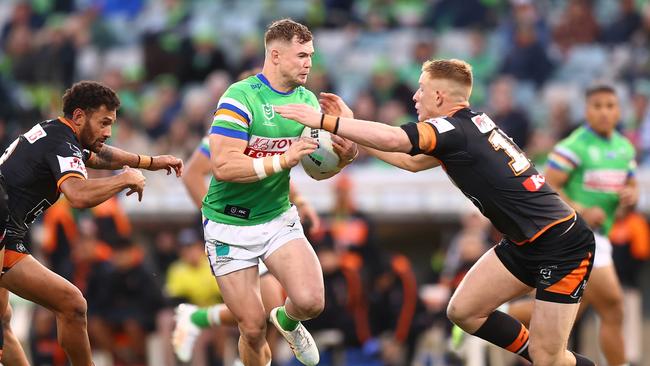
(628, 196)
(345, 149)
(167, 162)
(300, 113)
(333, 104)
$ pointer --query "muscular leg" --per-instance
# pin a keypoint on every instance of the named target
(604, 293)
(550, 327)
(241, 294)
(32, 281)
(13, 354)
(297, 268)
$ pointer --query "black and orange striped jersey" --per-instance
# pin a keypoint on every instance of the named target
(34, 166)
(492, 171)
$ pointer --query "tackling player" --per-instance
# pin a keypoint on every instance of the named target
(36, 168)
(546, 245)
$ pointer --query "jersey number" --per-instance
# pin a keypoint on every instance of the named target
(518, 161)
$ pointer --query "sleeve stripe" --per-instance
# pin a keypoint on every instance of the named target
(553, 165)
(237, 104)
(567, 154)
(224, 117)
(427, 137)
(234, 115)
(232, 108)
(69, 175)
(217, 130)
(561, 161)
(204, 150)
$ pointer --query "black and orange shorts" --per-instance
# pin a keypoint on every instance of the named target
(557, 263)
(15, 251)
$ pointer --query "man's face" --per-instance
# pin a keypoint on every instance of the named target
(294, 60)
(426, 98)
(95, 128)
(603, 112)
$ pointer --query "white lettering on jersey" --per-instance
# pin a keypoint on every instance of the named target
(36, 133)
(605, 180)
(483, 123)
(72, 163)
(441, 124)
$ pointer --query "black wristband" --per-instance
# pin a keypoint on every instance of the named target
(336, 126)
(150, 163)
(138, 164)
(322, 117)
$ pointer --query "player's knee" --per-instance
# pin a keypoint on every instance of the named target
(74, 306)
(612, 311)
(6, 317)
(549, 354)
(310, 303)
(253, 328)
(457, 314)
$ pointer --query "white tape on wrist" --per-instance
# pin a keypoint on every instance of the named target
(258, 165)
(277, 167)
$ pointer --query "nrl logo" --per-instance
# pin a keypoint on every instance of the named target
(269, 113)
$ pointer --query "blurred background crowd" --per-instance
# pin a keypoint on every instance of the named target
(388, 277)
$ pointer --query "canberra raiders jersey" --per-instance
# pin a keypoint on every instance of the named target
(598, 169)
(34, 166)
(492, 171)
(246, 112)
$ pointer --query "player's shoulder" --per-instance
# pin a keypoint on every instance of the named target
(464, 117)
(623, 141)
(244, 87)
(577, 139)
(53, 131)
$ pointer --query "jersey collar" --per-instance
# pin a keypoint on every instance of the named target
(67, 122)
(267, 83)
(606, 139)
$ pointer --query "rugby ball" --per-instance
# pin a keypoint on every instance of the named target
(323, 162)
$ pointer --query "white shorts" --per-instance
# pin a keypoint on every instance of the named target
(603, 256)
(230, 247)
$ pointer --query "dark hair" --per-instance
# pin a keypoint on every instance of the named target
(285, 30)
(599, 88)
(89, 96)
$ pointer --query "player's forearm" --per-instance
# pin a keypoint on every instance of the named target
(110, 157)
(374, 134)
(239, 168)
(91, 192)
(397, 159)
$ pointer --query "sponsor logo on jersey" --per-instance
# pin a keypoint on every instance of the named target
(534, 183)
(76, 151)
(605, 180)
(36, 133)
(72, 163)
(259, 146)
(483, 123)
(269, 113)
(441, 124)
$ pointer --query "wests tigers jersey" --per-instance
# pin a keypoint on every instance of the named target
(34, 166)
(492, 171)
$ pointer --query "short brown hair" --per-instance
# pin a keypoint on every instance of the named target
(89, 96)
(285, 30)
(599, 88)
(453, 69)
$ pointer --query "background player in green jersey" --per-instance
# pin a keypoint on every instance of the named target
(247, 212)
(593, 170)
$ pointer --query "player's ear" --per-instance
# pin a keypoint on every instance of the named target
(78, 116)
(275, 56)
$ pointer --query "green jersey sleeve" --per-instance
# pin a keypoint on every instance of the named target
(565, 156)
(233, 115)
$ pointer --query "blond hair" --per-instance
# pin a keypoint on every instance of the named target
(453, 69)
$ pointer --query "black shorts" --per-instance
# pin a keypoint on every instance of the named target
(557, 264)
(15, 251)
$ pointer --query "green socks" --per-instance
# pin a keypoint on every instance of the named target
(200, 318)
(285, 320)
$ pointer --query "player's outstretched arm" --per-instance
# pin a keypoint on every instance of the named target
(197, 168)
(110, 157)
(85, 193)
(230, 164)
(372, 134)
(405, 161)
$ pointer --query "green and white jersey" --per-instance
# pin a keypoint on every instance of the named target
(598, 169)
(245, 112)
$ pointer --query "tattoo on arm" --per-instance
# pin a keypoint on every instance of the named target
(104, 158)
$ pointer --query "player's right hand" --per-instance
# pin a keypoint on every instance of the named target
(594, 216)
(135, 181)
(333, 104)
(299, 148)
